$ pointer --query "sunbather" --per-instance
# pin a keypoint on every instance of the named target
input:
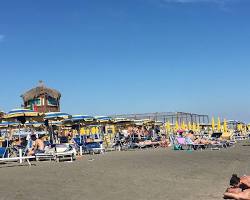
(37, 147)
(240, 188)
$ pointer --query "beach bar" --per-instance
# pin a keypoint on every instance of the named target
(42, 99)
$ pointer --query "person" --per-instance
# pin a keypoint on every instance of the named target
(37, 146)
(190, 136)
(240, 188)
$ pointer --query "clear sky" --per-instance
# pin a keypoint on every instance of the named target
(128, 56)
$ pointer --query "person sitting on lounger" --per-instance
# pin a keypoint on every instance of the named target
(240, 188)
(37, 147)
(190, 135)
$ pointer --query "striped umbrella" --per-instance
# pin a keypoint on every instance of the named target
(8, 124)
(85, 118)
(103, 118)
(57, 116)
(22, 115)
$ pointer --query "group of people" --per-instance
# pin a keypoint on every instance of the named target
(191, 138)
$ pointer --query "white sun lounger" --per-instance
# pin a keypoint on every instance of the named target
(20, 159)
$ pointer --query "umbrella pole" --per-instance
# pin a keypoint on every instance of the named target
(19, 132)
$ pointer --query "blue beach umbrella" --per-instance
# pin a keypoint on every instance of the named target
(57, 116)
(82, 118)
(5, 124)
(22, 115)
(103, 118)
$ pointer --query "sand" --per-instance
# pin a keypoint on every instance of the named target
(142, 174)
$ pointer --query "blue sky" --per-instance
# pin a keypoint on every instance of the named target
(128, 56)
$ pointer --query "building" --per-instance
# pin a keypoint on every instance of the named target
(42, 99)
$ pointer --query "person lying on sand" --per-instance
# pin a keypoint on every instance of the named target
(240, 188)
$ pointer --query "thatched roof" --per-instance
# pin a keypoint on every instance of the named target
(40, 90)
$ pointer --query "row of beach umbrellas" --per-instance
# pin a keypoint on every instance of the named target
(30, 117)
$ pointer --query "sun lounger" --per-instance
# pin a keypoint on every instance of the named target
(93, 147)
(18, 159)
(57, 153)
(192, 145)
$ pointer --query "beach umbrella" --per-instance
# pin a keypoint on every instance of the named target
(34, 124)
(54, 118)
(194, 127)
(96, 129)
(213, 124)
(82, 118)
(103, 119)
(23, 115)
(198, 128)
(189, 126)
(122, 120)
(176, 126)
(57, 116)
(93, 130)
(239, 127)
(168, 127)
(82, 131)
(218, 125)
(5, 124)
(225, 126)
(183, 126)
(245, 128)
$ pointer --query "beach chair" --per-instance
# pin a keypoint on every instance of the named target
(57, 152)
(3, 152)
(194, 146)
(182, 142)
(4, 157)
(93, 147)
(174, 144)
(216, 143)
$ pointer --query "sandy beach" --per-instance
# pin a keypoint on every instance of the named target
(142, 174)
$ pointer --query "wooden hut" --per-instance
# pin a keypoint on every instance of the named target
(42, 99)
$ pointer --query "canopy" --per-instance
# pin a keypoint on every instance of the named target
(17, 114)
(56, 116)
(103, 118)
(82, 118)
(7, 124)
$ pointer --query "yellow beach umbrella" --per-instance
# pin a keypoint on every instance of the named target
(239, 127)
(194, 127)
(183, 126)
(218, 125)
(82, 131)
(168, 127)
(176, 126)
(96, 129)
(225, 126)
(198, 128)
(189, 126)
(245, 128)
(93, 130)
(213, 124)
